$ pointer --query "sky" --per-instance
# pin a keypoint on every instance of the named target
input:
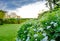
(24, 8)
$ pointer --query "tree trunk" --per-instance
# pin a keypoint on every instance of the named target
(1, 21)
(50, 4)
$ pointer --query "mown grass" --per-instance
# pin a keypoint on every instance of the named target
(8, 32)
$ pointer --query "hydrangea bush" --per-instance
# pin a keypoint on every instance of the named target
(47, 28)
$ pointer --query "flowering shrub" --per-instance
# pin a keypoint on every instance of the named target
(45, 29)
(30, 31)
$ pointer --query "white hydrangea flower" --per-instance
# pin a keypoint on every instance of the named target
(18, 39)
(23, 39)
(45, 38)
(25, 31)
(45, 23)
(52, 40)
(35, 39)
(44, 34)
(35, 35)
(48, 27)
(41, 29)
(34, 29)
(27, 38)
(30, 27)
(55, 24)
(52, 22)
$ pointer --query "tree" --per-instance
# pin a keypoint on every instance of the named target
(54, 2)
(49, 2)
(18, 19)
(2, 14)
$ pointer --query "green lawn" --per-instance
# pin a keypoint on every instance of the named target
(8, 32)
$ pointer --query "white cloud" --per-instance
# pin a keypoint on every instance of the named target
(31, 10)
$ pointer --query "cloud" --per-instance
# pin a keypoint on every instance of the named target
(23, 2)
(31, 10)
(13, 4)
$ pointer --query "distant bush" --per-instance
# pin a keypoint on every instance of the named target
(10, 21)
(15, 20)
(47, 28)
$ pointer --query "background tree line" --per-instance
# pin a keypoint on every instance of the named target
(10, 20)
(2, 14)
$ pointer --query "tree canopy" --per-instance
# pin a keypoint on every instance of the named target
(2, 14)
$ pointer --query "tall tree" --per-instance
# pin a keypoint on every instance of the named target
(54, 2)
(2, 14)
(49, 2)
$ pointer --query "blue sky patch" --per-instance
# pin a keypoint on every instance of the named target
(13, 4)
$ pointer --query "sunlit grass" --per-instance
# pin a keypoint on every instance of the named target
(8, 32)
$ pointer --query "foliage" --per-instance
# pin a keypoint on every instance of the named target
(28, 31)
(11, 21)
(14, 21)
(2, 14)
(47, 28)
(52, 2)
(51, 24)
(1, 21)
